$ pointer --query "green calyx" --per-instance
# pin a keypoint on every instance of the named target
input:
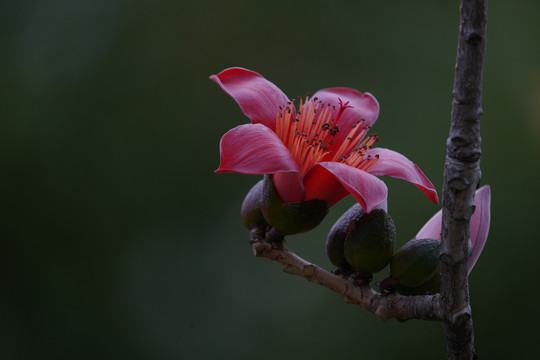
(291, 218)
(251, 213)
(370, 244)
(416, 263)
(335, 242)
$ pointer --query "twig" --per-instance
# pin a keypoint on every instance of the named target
(385, 306)
(461, 178)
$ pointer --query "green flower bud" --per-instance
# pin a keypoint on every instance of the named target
(335, 242)
(251, 207)
(291, 218)
(416, 262)
(370, 245)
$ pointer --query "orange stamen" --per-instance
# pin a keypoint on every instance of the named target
(370, 163)
(309, 133)
(349, 144)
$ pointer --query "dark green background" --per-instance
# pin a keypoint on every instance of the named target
(119, 241)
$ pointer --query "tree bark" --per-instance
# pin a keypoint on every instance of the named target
(461, 178)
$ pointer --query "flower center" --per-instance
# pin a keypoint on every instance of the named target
(309, 136)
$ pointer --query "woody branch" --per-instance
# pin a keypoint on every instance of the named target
(385, 306)
(461, 178)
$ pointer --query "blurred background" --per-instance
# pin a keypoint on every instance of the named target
(119, 241)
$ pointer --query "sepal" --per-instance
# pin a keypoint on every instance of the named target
(335, 242)
(431, 286)
(290, 218)
(251, 213)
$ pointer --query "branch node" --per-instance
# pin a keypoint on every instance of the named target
(458, 184)
(447, 259)
(308, 270)
(462, 316)
(258, 251)
(474, 38)
(256, 234)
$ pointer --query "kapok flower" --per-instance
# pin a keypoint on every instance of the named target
(479, 225)
(322, 151)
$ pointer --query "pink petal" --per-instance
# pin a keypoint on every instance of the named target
(362, 106)
(289, 186)
(394, 164)
(432, 229)
(258, 98)
(332, 181)
(322, 184)
(255, 149)
(479, 224)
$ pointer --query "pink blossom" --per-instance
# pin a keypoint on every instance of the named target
(479, 225)
(317, 148)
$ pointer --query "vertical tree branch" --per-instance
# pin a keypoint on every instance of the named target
(461, 177)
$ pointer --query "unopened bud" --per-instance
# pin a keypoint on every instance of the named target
(370, 245)
(416, 263)
(290, 218)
